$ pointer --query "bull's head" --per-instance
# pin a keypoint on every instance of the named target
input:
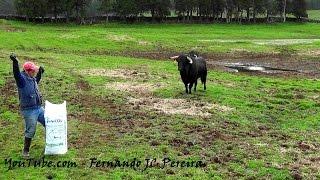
(177, 58)
(183, 61)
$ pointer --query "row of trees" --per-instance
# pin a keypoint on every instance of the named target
(186, 10)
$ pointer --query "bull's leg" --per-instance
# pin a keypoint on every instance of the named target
(186, 86)
(190, 87)
(204, 81)
(195, 86)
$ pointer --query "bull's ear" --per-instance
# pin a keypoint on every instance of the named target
(190, 60)
(174, 57)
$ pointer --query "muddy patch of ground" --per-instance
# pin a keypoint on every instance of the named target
(177, 106)
(283, 67)
(241, 67)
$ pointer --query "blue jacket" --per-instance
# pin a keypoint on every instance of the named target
(29, 94)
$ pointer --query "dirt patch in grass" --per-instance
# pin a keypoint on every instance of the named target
(144, 43)
(127, 74)
(119, 114)
(145, 100)
(117, 73)
(8, 28)
(83, 85)
(120, 38)
(205, 135)
(8, 90)
(315, 53)
(134, 87)
(311, 163)
(177, 106)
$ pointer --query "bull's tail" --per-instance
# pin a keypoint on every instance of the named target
(204, 80)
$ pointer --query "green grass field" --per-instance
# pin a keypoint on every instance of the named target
(103, 39)
(261, 127)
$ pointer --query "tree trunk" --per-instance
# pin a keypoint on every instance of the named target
(67, 17)
(107, 17)
(254, 12)
(152, 15)
(187, 16)
(78, 15)
(284, 10)
(55, 14)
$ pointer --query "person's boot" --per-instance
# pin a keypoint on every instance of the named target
(27, 143)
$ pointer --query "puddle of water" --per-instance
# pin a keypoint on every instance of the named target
(241, 67)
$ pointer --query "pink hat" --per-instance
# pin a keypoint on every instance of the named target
(29, 66)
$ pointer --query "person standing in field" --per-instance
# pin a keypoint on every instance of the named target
(29, 97)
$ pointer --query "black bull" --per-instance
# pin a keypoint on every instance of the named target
(191, 69)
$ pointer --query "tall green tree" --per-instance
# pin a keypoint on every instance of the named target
(126, 8)
(31, 8)
(159, 8)
(55, 7)
(299, 9)
(107, 7)
(80, 9)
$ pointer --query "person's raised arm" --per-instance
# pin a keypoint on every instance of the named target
(16, 71)
(40, 72)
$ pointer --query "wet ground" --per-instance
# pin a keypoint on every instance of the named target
(284, 67)
(269, 64)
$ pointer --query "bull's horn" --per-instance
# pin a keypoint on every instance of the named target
(190, 60)
(174, 57)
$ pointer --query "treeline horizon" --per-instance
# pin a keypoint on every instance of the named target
(161, 10)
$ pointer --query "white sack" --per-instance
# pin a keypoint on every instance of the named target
(56, 128)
